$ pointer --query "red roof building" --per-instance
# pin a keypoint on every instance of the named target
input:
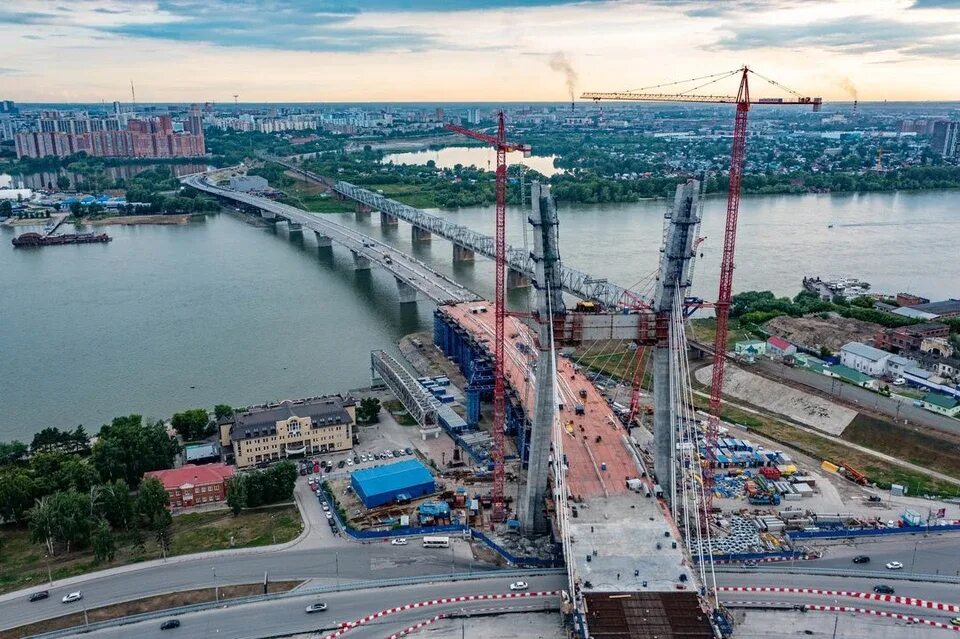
(192, 485)
(779, 347)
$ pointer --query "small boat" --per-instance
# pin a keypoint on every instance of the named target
(829, 226)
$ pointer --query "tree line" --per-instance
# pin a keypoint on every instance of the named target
(261, 487)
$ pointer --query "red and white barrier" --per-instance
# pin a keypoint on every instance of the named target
(348, 625)
(897, 599)
(884, 613)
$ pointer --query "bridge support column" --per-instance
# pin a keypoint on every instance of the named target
(322, 240)
(360, 262)
(268, 215)
(418, 234)
(516, 279)
(408, 294)
(388, 220)
(462, 254)
(363, 212)
(295, 228)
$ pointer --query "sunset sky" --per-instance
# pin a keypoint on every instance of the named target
(483, 50)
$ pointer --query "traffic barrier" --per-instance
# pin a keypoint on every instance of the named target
(897, 599)
(347, 626)
(800, 569)
(884, 613)
(835, 533)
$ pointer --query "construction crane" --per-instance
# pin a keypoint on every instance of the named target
(722, 307)
(498, 142)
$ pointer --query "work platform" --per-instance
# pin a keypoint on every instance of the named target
(616, 529)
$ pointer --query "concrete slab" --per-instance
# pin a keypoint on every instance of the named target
(805, 408)
(821, 624)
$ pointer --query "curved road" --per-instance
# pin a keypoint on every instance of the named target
(271, 618)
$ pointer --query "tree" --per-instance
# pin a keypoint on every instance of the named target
(104, 545)
(81, 441)
(368, 410)
(152, 502)
(42, 524)
(222, 410)
(76, 474)
(6, 208)
(192, 424)
(237, 493)
(116, 504)
(12, 452)
(127, 448)
(63, 182)
(18, 492)
(76, 210)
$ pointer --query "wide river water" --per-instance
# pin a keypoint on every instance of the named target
(166, 318)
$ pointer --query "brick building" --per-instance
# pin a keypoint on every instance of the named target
(191, 485)
(908, 338)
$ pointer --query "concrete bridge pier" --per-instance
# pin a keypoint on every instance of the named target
(295, 229)
(516, 279)
(462, 254)
(360, 262)
(322, 240)
(408, 294)
(268, 215)
(418, 234)
(388, 220)
(363, 212)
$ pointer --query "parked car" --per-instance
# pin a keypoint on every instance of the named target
(341, 464)
(37, 596)
(408, 451)
(316, 607)
(883, 589)
(397, 453)
(349, 462)
(894, 565)
(328, 514)
(170, 624)
(325, 507)
(519, 585)
(399, 541)
(861, 559)
(750, 564)
(875, 498)
(73, 596)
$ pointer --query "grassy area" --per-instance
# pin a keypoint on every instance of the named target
(705, 331)
(410, 194)
(915, 445)
(22, 563)
(821, 447)
(395, 408)
(312, 197)
(148, 604)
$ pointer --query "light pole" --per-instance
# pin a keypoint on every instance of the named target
(216, 588)
(913, 562)
(336, 558)
(46, 557)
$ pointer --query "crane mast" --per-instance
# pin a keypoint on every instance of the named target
(499, 142)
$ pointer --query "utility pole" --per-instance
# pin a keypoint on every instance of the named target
(835, 622)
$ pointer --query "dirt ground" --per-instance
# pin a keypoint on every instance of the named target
(813, 331)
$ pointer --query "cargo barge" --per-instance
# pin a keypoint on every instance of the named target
(38, 239)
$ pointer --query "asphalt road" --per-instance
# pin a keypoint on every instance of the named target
(357, 562)
(943, 592)
(903, 411)
(288, 615)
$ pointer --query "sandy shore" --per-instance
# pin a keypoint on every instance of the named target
(140, 219)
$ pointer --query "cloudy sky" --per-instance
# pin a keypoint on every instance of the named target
(450, 50)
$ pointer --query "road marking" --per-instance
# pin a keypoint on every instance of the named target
(897, 599)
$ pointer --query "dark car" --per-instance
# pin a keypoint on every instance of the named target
(170, 624)
(861, 559)
(408, 451)
(883, 589)
(874, 498)
(341, 464)
(37, 596)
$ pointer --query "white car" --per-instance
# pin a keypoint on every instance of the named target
(328, 514)
(316, 607)
(519, 585)
(73, 596)
(349, 462)
(326, 508)
(894, 565)
(399, 541)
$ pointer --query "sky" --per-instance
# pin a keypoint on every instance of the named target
(481, 50)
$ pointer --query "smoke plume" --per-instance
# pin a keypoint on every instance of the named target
(560, 63)
(847, 85)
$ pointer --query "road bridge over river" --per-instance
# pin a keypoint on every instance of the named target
(411, 274)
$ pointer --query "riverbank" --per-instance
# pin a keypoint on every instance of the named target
(138, 219)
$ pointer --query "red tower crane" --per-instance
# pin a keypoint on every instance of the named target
(498, 142)
(722, 306)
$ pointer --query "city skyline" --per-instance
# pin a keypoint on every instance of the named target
(495, 50)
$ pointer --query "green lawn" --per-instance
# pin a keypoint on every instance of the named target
(22, 563)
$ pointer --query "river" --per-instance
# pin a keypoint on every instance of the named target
(166, 318)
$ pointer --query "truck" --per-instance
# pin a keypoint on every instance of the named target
(764, 499)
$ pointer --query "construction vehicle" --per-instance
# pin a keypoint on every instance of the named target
(578, 409)
(853, 474)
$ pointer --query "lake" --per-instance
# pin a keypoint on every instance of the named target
(166, 318)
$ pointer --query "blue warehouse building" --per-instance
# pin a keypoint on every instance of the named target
(388, 484)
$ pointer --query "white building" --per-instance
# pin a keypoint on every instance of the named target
(865, 359)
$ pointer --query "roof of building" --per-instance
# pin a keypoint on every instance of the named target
(202, 451)
(943, 307)
(779, 342)
(849, 374)
(899, 360)
(909, 311)
(863, 350)
(941, 400)
(193, 475)
(262, 421)
(396, 476)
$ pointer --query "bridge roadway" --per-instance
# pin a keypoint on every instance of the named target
(411, 274)
(575, 282)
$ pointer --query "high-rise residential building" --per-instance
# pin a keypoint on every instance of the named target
(8, 107)
(946, 138)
